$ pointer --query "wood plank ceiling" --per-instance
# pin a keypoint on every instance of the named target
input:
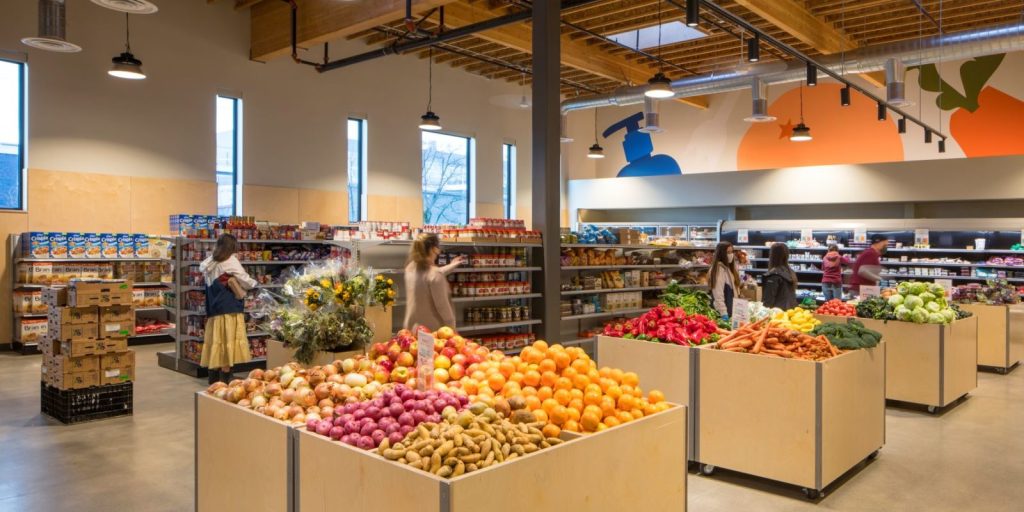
(594, 65)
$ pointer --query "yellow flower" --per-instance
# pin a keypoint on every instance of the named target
(380, 277)
(325, 283)
(390, 282)
(391, 293)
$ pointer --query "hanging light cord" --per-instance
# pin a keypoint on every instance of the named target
(430, 78)
(127, 35)
(801, 103)
(942, 41)
(661, 63)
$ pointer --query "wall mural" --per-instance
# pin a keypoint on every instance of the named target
(638, 147)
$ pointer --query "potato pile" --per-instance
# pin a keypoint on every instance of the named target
(466, 442)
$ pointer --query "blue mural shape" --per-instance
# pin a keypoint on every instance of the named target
(638, 148)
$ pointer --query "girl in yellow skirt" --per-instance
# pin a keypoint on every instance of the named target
(225, 343)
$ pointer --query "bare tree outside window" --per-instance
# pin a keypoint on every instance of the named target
(445, 179)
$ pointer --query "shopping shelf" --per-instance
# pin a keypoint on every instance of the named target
(637, 247)
(606, 314)
(496, 269)
(498, 297)
(635, 289)
(652, 267)
(462, 329)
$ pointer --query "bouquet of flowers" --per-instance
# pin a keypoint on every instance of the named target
(322, 308)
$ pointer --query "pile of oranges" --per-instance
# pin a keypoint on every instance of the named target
(562, 387)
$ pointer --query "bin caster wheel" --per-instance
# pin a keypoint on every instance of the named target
(707, 469)
(812, 494)
(873, 456)
(932, 409)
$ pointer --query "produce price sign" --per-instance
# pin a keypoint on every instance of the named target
(860, 235)
(740, 312)
(869, 291)
(806, 235)
(743, 236)
(425, 361)
(920, 237)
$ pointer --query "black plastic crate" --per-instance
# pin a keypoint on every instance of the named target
(78, 405)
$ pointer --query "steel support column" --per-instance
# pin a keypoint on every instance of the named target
(546, 157)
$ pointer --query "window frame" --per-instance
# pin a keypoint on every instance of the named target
(236, 153)
(508, 177)
(362, 168)
(470, 167)
(22, 132)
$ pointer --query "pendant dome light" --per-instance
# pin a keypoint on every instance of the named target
(523, 101)
(801, 132)
(659, 86)
(595, 151)
(126, 65)
(430, 121)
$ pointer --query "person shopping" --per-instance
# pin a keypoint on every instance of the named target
(428, 301)
(225, 343)
(780, 281)
(832, 273)
(723, 279)
(867, 268)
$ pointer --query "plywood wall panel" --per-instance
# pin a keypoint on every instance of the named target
(330, 206)
(10, 222)
(276, 204)
(490, 210)
(154, 200)
(73, 201)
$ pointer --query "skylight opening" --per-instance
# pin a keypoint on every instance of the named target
(671, 32)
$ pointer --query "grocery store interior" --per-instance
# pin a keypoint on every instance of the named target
(655, 254)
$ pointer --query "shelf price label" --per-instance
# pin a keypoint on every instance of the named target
(424, 361)
(921, 237)
(860, 235)
(743, 236)
(740, 312)
(806, 235)
(869, 291)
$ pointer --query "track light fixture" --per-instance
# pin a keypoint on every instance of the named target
(927, 136)
(754, 48)
(882, 111)
(692, 13)
(942, 145)
(844, 96)
(901, 125)
(126, 65)
(430, 121)
(812, 75)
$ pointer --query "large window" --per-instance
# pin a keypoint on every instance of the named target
(508, 179)
(12, 133)
(446, 175)
(356, 169)
(229, 155)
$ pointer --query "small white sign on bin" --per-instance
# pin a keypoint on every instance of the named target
(740, 312)
(424, 360)
(870, 291)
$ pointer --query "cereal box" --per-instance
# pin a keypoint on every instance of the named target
(59, 273)
(125, 246)
(159, 248)
(93, 245)
(142, 246)
(108, 244)
(58, 245)
(22, 301)
(41, 273)
(138, 297)
(35, 244)
(29, 330)
(153, 297)
(76, 245)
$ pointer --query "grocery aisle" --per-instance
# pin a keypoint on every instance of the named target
(962, 460)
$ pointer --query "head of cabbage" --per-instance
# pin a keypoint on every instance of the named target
(937, 289)
(927, 297)
(895, 299)
(936, 318)
(903, 288)
(917, 288)
(948, 314)
(902, 313)
(913, 302)
(932, 307)
(919, 315)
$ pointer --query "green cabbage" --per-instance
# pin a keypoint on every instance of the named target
(919, 315)
(927, 297)
(903, 288)
(933, 307)
(913, 302)
(918, 288)
(895, 300)
(948, 314)
(902, 313)
(936, 318)
(937, 289)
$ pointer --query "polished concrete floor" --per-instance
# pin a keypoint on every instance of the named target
(969, 458)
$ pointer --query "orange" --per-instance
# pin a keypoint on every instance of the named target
(540, 345)
(574, 413)
(637, 414)
(516, 377)
(581, 365)
(544, 393)
(655, 396)
(569, 373)
(572, 426)
(605, 372)
(562, 397)
(532, 355)
(529, 391)
(606, 383)
(649, 409)
(546, 365)
(661, 406)
(470, 385)
(558, 415)
(563, 383)
(548, 378)
(593, 410)
(602, 427)
(561, 360)
(511, 389)
(550, 430)
(549, 405)
(626, 402)
(626, 389)
(613, 391)
(531, 378)
(607, 407)
(478, 375)
(592, 388)
(631, 379)
(612, 421)
(541, 415)
(532, 402)
(638, 393)
(616, 375)
(507, 368)
(591, 398)
(580, 381)
(496, 381)
(624, 417)
(590, 421)
(593, 374)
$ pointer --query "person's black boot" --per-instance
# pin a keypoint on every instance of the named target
(226, 377)
(212, 376)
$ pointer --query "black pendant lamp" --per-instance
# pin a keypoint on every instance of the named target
(901, 125)
(882, 111)
(126, 65)
(430, 121)
(659, 86)
(801, 132)
(595, 151)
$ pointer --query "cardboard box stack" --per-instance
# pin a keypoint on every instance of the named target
(88, 326)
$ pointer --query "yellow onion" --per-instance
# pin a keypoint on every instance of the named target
(259, 401)
(305, 397)
(272, 389)
(256, 374)
(294, 411)
(251, 385)
(322, 390)
(271, 410)
(221, 392)
(288, 395)
(271, 375)
(314, 408)
(330, 370)
(312, 415)
(299, 418)
(244, 403)
(281, 414)
(316, 376)
(298, 382)
(326, 402)
(327, 412)
(215, 386)
(235, 393)
(286, 379)
(235, 382)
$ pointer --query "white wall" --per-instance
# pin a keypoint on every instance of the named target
(82, 120)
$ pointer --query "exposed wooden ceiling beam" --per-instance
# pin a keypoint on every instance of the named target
(575, 54)
(320, 21)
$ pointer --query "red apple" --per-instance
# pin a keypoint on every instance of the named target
(381, 376)
(393, 350)
(442, 362)
(378, 349)
(459, 359)
(400, 374)
(444, 333)
(449, 352)
(406, 359)
(456, 371)
(365, 364)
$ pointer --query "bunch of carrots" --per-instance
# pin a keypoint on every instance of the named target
(769, 340)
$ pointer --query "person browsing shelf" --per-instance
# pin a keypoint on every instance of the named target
(723, 279)
(225, 343)
(832, 273)
(867, 268)
(780, 281)
(427, 292)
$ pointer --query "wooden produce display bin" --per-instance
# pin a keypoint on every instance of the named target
(663, 366)
(800, 422)
(833, 319)
(279, 355)
(1000, 334)
(243, 459)
(640, 465)
(929, 364)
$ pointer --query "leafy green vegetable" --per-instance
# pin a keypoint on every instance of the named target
(849, 336)
(875, 307)
(693, 301)
(895, 300)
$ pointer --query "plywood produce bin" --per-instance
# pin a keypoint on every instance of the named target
(663, 366)
(640, 465)
(929, 364)
(280, 355)
(243, 459)
(800, 422)
(1000, 334)
(833, 319)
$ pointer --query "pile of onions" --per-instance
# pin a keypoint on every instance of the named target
(392, 415)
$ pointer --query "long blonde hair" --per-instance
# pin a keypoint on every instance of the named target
(419, 253)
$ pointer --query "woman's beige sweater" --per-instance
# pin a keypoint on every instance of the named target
(427, 299)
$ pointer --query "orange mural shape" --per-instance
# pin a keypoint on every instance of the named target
(993, 129)
(841, 135)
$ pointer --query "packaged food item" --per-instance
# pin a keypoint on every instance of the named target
(108, 243)
(125, 246)
(76, 245)
(142, 246)
(29, 330)
(58, 245)
(159, 248)
(93, 245)
(138, 297)
(35, 244)
(41, 273)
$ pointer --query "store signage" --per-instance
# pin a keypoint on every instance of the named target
(869, 291)
(920, 237)
(806, 235)
(740, 312)
(947, 284)
(743, 236)
(425, 361)
(860, 235)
